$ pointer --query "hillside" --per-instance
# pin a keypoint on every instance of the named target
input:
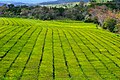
(61, 2)
(12, 2)
(68, 5)
(60, 50)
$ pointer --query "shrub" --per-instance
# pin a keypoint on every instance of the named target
(88, 19)
(109, 24)
(95, 20)
(117, 28)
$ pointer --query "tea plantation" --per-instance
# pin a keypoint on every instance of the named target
(57, 50)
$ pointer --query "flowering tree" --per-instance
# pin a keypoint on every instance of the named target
(103, 14)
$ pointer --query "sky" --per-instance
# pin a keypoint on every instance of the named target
(29, 1)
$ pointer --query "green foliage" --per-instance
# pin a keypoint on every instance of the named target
(117, 28)
(88, 19)
(109, 24)
(111, 5)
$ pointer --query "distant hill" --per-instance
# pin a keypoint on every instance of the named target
(1, 4)
(61, 2)
(11, 2)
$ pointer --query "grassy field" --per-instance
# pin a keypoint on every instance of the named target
(65, 5)
(60, 50)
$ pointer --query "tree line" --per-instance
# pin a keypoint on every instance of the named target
(43, 12)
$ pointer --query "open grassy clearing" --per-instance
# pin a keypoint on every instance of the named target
(60, 50)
